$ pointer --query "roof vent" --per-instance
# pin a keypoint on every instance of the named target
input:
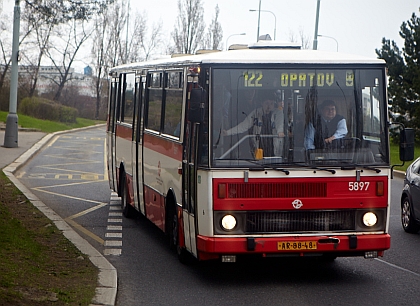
(269, 44)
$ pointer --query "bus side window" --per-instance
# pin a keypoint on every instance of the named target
(154, 105)
(128, 98)
(173, 104)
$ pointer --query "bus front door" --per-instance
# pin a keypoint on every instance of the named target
(190, 187)
(138, 144)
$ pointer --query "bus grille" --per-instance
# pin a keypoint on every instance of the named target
(277, 190)
(300, 221)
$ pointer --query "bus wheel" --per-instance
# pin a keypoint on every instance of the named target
(127, 209)
(183, 255)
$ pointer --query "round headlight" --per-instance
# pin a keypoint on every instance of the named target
(370, 219)
(228, 222)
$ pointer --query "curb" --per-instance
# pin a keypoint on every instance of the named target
(106, 290)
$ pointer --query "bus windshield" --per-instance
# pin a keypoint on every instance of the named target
(288, 117)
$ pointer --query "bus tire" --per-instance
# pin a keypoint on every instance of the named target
(183, 256)
(127, 210)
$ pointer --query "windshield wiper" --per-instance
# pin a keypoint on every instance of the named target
(272, 166)
(353, 167)
(372, 169)
(324, 169)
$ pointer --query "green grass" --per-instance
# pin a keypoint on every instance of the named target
(37, 261)
(48, 126)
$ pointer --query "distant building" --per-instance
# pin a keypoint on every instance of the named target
(88, 70)
(49, 77)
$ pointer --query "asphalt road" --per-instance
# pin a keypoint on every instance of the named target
(69, 176)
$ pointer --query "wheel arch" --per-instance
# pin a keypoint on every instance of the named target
(170, 207)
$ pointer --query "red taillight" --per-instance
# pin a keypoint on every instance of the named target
(379, 188)
(222, 191)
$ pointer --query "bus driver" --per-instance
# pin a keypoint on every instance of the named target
(265, 120)
(328, 127)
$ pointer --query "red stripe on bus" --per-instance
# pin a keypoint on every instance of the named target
(124, 132)
(163, 146)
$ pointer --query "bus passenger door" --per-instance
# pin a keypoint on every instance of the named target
(138, 144)
(190, 186)
(110, 135)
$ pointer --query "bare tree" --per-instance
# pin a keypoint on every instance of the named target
(100, 44)
(39, 26)
(71, 37)
(214, 36)
(303, 40)
(48, 17)
(117, 21)
(6, 45)
(189, 27)
(143, 43)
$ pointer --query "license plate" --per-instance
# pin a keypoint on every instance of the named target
(296, 245)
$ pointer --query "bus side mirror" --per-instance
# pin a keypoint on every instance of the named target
(407, 144)
(196, 106)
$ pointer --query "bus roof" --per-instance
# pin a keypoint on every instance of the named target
(255, 56)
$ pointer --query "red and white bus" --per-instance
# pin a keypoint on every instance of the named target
(171, 158)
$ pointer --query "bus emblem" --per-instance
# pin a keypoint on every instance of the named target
(297, 204)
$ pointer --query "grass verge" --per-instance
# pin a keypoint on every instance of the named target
(48, 126)
(38, 265)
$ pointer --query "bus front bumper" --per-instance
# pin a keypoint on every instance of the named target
(349, 245)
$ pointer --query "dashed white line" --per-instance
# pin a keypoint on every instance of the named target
(113, 236)
(114, 228)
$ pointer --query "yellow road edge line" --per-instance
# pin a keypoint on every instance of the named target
(84, 230)
(53, 140)
(89, 210)
(67, 170)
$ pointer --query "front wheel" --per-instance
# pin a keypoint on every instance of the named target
(407, 217)
(183, 255)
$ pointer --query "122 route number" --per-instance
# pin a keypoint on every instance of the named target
(358, 186)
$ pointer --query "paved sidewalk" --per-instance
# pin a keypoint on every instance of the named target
(11, 159)
(25, 141)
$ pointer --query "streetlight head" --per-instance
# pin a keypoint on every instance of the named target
(252, 10)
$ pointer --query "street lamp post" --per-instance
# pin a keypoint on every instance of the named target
(275, 20)
(11, 133)
(315, 46)
(319, 35)
(259, 15)
(227, 39)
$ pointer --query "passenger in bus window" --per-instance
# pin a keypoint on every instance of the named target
(265, 120)
(328, 127)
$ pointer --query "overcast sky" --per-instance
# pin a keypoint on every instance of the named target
(357, 25)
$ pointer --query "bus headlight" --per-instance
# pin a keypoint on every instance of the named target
(370, 219)
(228, 222)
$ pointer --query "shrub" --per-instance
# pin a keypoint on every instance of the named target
(48, 110)
(68, 114)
